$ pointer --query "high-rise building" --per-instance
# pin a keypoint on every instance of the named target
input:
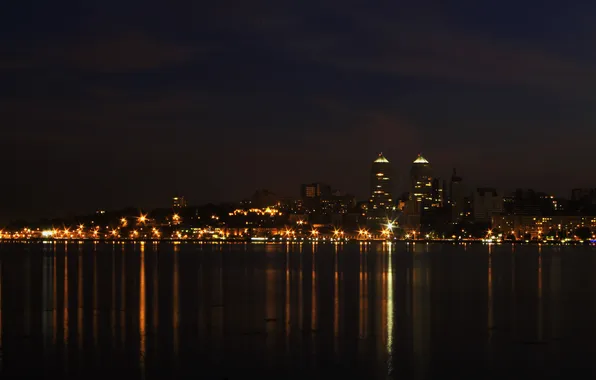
(438, 193)
(457, 197)
(380, 205)
(422, 186)
(178, 202)
(486, 202)
(380, 184)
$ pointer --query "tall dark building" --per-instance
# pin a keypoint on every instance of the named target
(438, 193)
(457, 197)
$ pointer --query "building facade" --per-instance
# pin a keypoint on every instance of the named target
(486, 202)
(178, 202)
(381, 204)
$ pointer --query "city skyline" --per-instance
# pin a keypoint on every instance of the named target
(424, 190)
(400, 185)
(111, 104)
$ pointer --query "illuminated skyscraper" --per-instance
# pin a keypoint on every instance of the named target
(421, 193)
(422, 187)
(380, 184)
(380, 206)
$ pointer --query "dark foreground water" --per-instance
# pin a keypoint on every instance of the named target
(296, 311)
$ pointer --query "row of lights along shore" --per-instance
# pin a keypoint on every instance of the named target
(140, 232)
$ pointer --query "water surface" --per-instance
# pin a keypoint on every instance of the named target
(296, 311)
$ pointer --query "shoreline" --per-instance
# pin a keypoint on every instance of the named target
(298, 241)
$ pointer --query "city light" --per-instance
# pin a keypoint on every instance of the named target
(387, 218)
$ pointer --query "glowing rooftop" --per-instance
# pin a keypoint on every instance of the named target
(420, 160)
(382, 158)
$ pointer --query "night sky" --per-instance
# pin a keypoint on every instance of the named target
(106, 104)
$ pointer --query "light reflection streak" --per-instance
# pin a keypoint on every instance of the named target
(113, 316)
(1, 331)
(155, 293)
(80, 299)
(490, 321)
(123, 298)
(555, 291)
(335, 295)
(421, 310)
(270, 305)
(175, 303)
(363, 296)
(65, 331)
(540, 316)
(287, 322)
(300, 293)
(142, 332)
(313, 300)
(389, 311)
(54, 300)
(313, 315)
(95, 300)
(27, 319)
(46, 288)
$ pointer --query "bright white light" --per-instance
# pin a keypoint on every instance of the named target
(47, 233)
(420, 160)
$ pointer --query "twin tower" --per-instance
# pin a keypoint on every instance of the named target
(381, 202)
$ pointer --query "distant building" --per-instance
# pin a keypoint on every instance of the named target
(457, 198)
(323, 205)
(584, 195)
(542, 227)
(314, 191)
(583, 201)
(530, 202)
(312, 195)
(439, 193)
(178, 202)
(486, 202)
(263, 198)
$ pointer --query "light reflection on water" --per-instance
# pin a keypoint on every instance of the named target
(373, 310)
